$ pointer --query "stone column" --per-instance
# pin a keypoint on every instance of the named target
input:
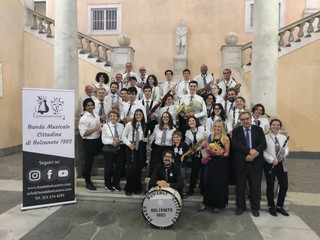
(265, 55)
(66, 48)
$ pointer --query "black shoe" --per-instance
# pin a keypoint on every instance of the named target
(273, 211)
(116, 188)
(190, 192)
(201, 208)
(128, 193)
(239, 211)
(109, 188)
(90, 186)
(283, 212)
(255, 213)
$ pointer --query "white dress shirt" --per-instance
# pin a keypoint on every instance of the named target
(269, 153)
(108, 100)
(202, 114)
(127, 137)
(157, 136)
(105, 86)
(165, 87)
(143, 103)
(182, 88)
(228, 106)
(89, 122)
(172, 110)
(199, 79)
(97, 104)
(81, 99)
(210, 122)
(107, 136)
(199, 135)
(264, 123)
(223, 85)
(229, 121)
(135, 105)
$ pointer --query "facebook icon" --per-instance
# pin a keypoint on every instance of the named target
(49, 174)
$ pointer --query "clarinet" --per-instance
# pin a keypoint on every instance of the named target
(149, 150)
(278, 157)
(234, 117)
(134, 146)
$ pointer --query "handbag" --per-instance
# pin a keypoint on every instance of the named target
(109, 148)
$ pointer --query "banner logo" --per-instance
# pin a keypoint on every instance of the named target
(43, 111)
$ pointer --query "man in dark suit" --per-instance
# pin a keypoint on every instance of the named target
(248, 143)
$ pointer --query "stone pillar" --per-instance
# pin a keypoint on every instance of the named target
(232, 59)
(265, 55)
(312, 6)
(66, 48)
(179, 64)
(28, 4)
(122, 54)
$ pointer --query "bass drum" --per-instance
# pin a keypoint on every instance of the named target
(161, 207)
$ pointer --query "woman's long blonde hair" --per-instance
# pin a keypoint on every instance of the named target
(223, 131)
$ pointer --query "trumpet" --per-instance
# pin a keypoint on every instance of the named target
(238, 85)
(206, 88)
(279, 157)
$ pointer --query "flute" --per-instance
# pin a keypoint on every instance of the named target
(278, 157)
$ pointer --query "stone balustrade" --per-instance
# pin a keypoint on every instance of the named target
(289, 35)
(87, 45)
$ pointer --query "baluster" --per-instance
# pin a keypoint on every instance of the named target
(105, 56)
(34, 22)
(96, 52)
(310, 28)
(41, 27)
(300, 33)
(318, 25)
(82, 51)
(49, 32)
(290, 38)
(88, 49)
(281, 41)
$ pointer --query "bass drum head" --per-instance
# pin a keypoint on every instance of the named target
(161, 207)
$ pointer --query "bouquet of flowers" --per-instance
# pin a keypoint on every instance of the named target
(211, 149)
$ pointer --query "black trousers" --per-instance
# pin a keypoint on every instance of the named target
(113, 164)
(195, 169)
(134, 165)
(91, 147)
(254, 176)
(282, 176)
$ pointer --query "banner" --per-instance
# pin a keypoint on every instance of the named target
(48, 147)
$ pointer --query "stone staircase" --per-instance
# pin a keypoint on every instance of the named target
(101, 194)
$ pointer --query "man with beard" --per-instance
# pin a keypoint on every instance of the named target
(203, 78)
(229, 103)
(167, 174)
(113, 99)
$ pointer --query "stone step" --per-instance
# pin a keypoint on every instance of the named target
(101, 195)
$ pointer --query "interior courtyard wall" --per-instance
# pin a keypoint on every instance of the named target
(11, 56)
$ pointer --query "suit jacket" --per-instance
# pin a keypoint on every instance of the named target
(241, 150)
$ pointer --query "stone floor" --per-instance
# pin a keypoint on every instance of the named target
(116, 220)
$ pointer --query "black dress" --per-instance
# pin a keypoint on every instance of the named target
(216, 181)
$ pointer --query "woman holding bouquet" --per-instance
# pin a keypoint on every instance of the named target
(215, 176)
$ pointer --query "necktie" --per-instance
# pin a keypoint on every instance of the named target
(168, 109)
(194, 137)
(248, 137)
(147, 107)
(257, 122)
(204, 80)
(163, 137)
(116, 134)
(277, 146)
(112, 101)
(100, 85)
(137, 136)
(230, 106)
(142, 79)
(101, 110)
(128, 113)
(191, 98)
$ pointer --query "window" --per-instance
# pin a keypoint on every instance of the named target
(104, 19)
(249, 15)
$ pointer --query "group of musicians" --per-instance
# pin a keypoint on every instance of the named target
(175, 126)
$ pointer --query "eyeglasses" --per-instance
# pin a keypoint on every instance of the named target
(244, 119)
